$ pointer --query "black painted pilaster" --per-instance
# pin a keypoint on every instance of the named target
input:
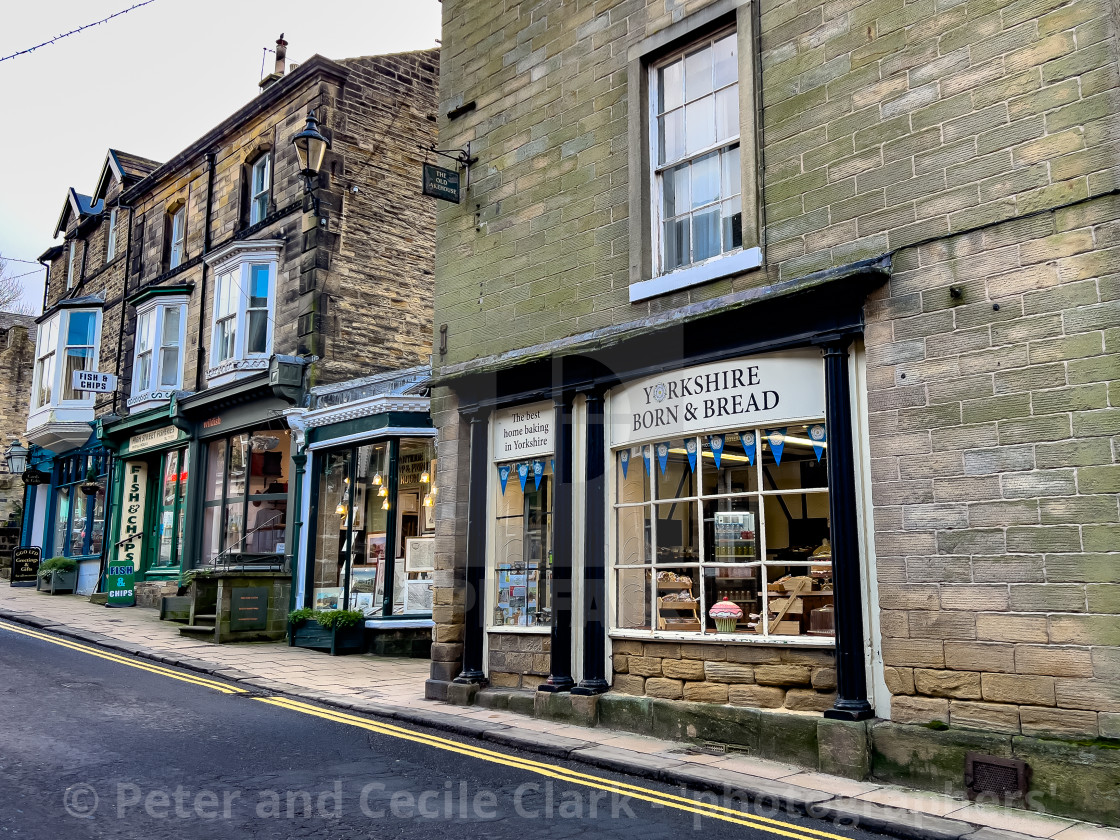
(476, 552)
(594, 555)
(851, 675)
(560, 666)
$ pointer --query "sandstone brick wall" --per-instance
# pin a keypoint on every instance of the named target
(884, 124)
(519, 661)
(994, 437)
(972, 143)
(769, 677)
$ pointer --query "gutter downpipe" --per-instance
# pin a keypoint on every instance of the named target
(198, 367)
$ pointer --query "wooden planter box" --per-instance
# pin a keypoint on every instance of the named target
(338, 640)
(58, 582)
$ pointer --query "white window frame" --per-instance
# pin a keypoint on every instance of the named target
(657, 170)
(256, 213)
(155, 391)
(178, 237)
(70, 263)
(717, 18)
(60, 322)
(111, 237)
(236, 261)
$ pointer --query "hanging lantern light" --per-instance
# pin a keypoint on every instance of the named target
(424, 477)
(377, 478)
(340, 510)
(383, 492)
(385, 505)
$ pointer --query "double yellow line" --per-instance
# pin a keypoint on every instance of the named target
(563, 774)
(124, 660)
(550, 771)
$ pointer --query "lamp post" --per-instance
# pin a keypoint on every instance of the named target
(311, 146)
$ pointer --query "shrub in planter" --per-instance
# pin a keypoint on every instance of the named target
(339, 631)
(58, 574)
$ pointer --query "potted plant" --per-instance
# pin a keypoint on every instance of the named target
(339, 631)
(91, 485)
(59, 574)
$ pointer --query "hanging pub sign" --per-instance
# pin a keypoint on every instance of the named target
(120, 574)
(25, 565)
(755, 391)
(33, 477)
(441, 183)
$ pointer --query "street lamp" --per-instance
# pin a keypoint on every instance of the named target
(16, 457)
(311, 146)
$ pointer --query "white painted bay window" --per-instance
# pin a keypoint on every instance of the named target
(157, 369)
(243, 304)
(74, 336)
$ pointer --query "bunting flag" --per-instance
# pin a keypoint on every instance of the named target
(716, 442)
(777, 440)
(818, 437)
(522, 474)
(690, 448)
(538, 473)
(663, 456)
(624, 459)
(646, 457)
(749, 444)
(503, 474)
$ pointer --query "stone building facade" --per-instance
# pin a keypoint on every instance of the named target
(226, 293)
(928, 202)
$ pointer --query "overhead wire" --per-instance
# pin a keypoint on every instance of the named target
(76, 31)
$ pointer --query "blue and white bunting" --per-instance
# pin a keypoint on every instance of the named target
(716, 442)
(503, 475)
(538, 473)
(777, 440)
(690, 448)
(749, 444)
(522, 474)
(624, 460)
(818, 436)
(647, 456)
(663, 456)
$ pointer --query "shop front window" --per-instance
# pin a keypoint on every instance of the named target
(375, 528)
(79, 517)
(171, 511)
(523, 544)
(245, 497)
(741, 517)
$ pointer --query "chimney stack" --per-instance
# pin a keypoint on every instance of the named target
(281, 54)
(278, 71)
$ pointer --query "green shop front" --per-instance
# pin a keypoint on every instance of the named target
(369, 543)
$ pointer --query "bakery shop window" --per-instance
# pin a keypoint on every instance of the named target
(725, 534)
(522, 524)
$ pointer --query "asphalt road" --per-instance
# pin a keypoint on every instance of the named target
(92, 747)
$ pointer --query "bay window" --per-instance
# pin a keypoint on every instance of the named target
(157, 366)
(73, 334)
(243, 303)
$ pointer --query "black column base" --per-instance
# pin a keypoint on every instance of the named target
(555, 685)
(470, 678)
(587, 688)
(850, 710)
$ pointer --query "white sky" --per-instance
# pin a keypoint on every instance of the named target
(150, 82)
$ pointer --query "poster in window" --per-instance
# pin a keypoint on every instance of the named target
(375, 548)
